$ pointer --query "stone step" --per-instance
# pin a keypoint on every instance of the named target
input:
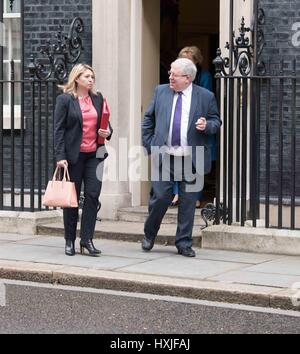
(123, 231)
(251, 239)
(139, 214)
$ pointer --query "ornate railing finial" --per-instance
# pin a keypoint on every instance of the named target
(242, 52)
(261, 18)
(219, 63)
(66, 50)
(11, 4)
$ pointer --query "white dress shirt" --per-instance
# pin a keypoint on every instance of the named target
(181, 150)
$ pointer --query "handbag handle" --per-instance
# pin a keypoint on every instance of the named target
(66, 176)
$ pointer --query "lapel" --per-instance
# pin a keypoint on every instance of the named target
(194, 103)
(77, 109)
(96, 104)
(169, 105)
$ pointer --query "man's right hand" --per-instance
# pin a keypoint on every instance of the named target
(62, 163)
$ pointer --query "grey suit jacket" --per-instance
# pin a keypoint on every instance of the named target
(156, 123)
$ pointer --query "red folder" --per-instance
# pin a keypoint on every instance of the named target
(104, 120)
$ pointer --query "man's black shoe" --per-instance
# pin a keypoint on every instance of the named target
(187, 252)
(147, 245)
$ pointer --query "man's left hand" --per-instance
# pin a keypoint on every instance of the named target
(201, 124)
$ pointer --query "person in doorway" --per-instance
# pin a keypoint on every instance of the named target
(76, 134)
(178, 120)
(204, 79)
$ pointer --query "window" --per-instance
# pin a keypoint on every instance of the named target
(12, 51)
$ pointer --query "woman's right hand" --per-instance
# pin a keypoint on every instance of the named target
(62, 163)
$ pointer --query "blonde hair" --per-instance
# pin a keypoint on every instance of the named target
(71, 86)
(192, 51)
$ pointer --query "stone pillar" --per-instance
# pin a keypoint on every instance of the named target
(111, 61)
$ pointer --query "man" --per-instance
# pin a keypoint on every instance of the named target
(178, 120)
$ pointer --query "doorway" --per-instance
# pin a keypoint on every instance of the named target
(191, 23)
(168, 26)
(186, 23)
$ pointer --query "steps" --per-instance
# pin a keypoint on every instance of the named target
(139, 214)
(130, 227)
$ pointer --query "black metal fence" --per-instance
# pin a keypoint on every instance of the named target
(259, 152)
(27, 102)
(26, 141)
(259, 157)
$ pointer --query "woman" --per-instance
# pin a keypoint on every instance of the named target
(203, 77)
(77, 130)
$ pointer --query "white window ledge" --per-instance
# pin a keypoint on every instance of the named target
(7, 118)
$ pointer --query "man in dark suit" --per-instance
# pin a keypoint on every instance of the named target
(175, 132)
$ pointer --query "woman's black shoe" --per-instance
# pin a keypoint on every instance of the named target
(89, 246)
(70, 248)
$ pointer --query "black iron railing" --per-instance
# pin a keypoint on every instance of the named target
(258, 147)
(27, 149)
(26, 120)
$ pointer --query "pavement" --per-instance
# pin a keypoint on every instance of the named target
(266, 280)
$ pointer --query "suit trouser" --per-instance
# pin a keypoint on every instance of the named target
(84, 171)
(160, 200)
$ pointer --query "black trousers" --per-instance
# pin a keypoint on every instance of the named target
(160, 200)
(84, 171)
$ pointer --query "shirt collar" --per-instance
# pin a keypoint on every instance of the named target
(188, 90)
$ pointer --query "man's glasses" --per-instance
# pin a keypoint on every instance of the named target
(170, 73)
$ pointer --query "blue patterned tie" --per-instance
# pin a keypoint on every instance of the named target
(175, 141)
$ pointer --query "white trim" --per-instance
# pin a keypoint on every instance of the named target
(135, 88)
(7, 107)
(5, 10)
(12, 15)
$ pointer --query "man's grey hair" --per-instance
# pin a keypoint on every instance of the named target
(187, 67)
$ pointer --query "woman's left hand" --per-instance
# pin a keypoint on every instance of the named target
(104, 133)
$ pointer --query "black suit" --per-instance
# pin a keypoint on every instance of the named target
(82, 166)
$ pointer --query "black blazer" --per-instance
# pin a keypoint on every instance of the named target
(68, 126)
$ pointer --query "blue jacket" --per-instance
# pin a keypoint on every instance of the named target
(203, 78)
(156, 123)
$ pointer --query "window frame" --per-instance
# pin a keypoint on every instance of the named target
(7, 107)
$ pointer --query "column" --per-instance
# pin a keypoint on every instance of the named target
(111, 61)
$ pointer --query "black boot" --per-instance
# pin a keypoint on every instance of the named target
(89, 246)
(70, 248)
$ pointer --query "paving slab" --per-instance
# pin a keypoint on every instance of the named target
(15, 237)
(255, 278)
(133, 249)
(108, 247)
(234, 256)
(57, 242)
(101, 262)
(285, 265)
(179, 266)
(19, 252)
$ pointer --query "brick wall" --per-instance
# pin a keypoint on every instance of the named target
(280, 31)
(43, 17)
(41, 22)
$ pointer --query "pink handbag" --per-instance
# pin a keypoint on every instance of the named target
(60, 193)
